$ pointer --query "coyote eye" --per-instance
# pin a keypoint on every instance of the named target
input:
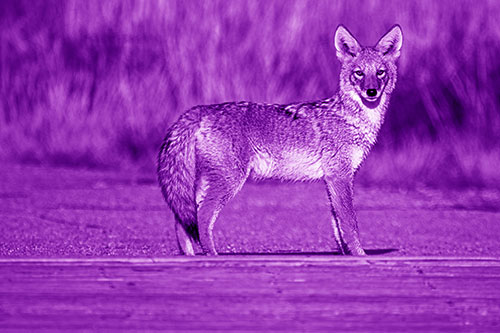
(359, 73)
(380, 72)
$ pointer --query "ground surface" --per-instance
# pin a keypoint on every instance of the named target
(87, 250)
(266, 293)
(58, 212)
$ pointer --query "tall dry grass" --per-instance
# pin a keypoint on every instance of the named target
(96, 83)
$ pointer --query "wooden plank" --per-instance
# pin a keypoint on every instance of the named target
(236, 293)
(265, 258)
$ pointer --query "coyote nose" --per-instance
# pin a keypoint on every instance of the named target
(371, 92)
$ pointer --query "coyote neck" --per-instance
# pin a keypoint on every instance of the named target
(356, 113)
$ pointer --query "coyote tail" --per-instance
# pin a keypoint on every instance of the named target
(177, 172)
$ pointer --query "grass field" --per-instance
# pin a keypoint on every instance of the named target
(97, 83)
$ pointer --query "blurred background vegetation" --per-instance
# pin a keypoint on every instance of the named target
(96, 83)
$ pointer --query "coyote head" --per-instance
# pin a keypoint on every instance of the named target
(368, 72)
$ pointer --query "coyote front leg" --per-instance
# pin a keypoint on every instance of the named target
(344, 221)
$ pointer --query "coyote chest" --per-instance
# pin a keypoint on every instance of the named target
(293, 164)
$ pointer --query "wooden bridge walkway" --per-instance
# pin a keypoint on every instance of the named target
(251, 293)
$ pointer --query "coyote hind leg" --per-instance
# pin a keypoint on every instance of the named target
(217, 193)
(184, 240)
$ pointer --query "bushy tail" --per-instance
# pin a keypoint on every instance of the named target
(177, 171)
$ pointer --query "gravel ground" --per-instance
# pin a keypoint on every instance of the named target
(56, 212)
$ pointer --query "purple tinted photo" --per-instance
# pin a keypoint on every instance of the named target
(333, 165)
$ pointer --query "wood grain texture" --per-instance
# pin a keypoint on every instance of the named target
(251, 293)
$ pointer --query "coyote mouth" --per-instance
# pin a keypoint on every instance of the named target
(371, 102)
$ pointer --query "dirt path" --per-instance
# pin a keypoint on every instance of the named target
(77, 249)
(266, 293)
(48, 212)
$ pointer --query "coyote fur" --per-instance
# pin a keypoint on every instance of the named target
(210, 152)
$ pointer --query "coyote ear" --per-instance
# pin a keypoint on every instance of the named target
(390, 44)
(347, 46)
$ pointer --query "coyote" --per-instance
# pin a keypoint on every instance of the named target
(211, 150)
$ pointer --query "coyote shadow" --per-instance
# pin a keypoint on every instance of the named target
(297, 253)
